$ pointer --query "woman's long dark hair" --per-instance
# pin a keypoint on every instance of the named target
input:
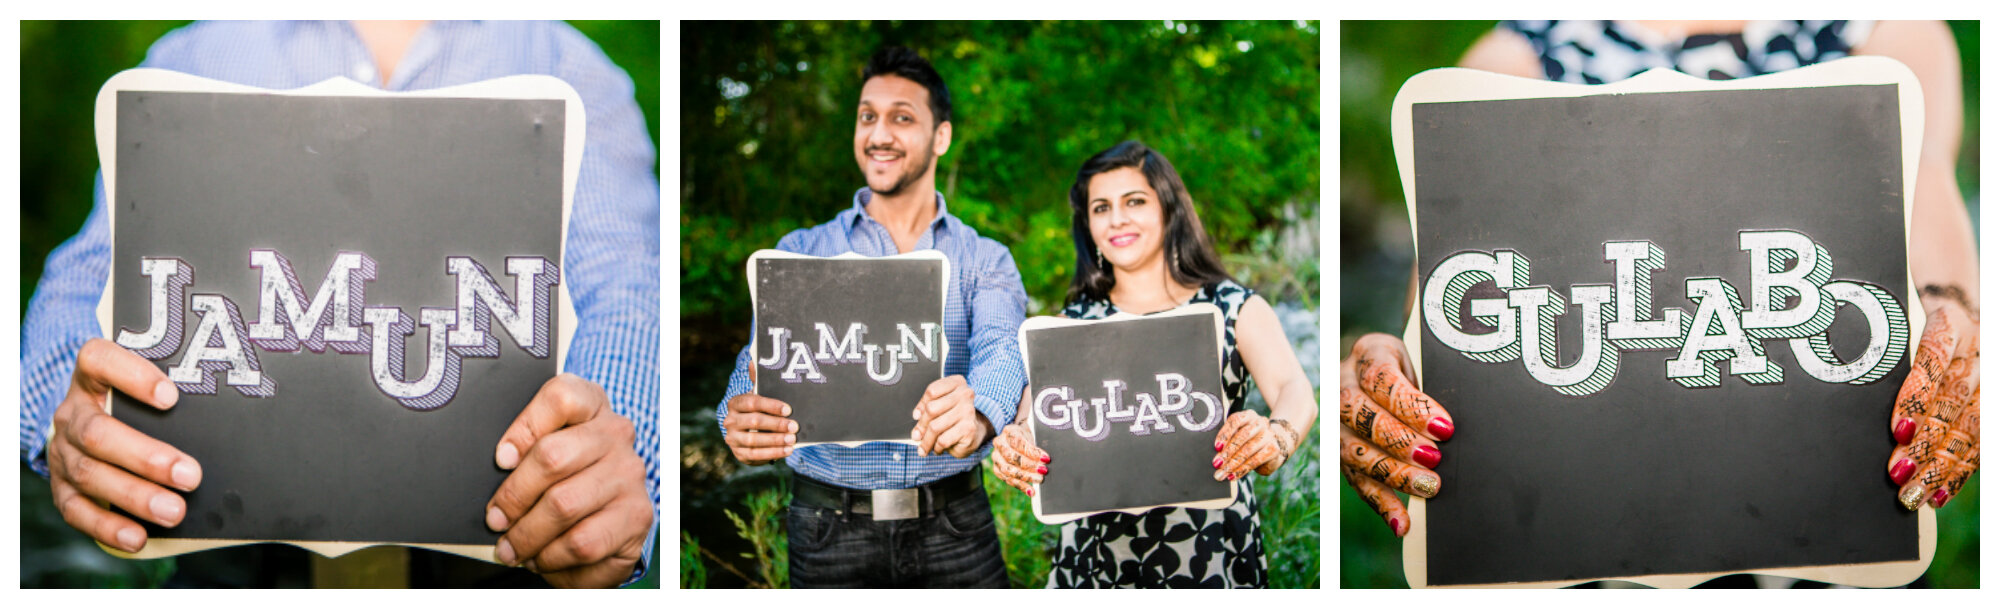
(1190, 256)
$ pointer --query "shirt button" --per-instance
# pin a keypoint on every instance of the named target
(896, 456)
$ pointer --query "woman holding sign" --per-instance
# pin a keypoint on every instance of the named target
(1936, 414)
(1141, 249)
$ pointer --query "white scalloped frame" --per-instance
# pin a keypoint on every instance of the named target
(538, 87)
(1461, 84)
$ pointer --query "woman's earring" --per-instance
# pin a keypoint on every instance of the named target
(1100, 258)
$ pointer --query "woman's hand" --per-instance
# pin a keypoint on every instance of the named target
(1016, 459)
(1249, 441)
(1936, 418)
(1388, 429)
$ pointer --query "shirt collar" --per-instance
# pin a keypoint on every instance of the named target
(864, 195)
(424, 49)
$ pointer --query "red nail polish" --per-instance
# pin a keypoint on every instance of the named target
(1428, 457)
(1218, 445)
(1904, 430)
(1396, 526)
(1045, 458)
(1031, 492)
(1232, 475)
(1041, 470)
(1217, 462)
(1441, 428)
(1938, 498)
(1901, 473)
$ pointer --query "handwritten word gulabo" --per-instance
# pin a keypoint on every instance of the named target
(334, 317)
(803, 363)
(1784, 266)
(1058, 407)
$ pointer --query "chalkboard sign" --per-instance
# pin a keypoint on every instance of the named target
(1127, 408)
(356, 292)
(1669, 317)
(850, 342)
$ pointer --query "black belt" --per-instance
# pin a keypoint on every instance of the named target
(892, 504)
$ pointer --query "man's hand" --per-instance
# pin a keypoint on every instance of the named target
(758, 428)
(946, 420)
(575, 509)
(1936, 417)
(1388, 429)
(95, 459)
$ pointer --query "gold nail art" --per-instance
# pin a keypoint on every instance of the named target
(1912, 497)
(1425, 485)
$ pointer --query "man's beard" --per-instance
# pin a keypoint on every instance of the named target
(908, 178)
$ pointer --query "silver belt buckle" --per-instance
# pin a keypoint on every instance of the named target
(894, 504)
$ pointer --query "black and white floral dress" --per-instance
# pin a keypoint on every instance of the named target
(1171, 547)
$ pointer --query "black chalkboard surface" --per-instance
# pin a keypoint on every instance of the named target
(850, 342)
(1669, 317)
(356, 292)
(1127, 408)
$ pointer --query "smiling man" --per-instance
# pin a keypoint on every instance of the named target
(843, 531)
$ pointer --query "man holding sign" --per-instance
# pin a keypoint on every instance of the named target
(579, 500)
(891, 514)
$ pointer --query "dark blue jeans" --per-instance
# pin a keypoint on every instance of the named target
(955, 547)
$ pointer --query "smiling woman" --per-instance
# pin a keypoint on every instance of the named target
(1141, 249)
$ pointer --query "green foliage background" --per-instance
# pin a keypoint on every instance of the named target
(767, 147)
(1376, 255)
(63, 63)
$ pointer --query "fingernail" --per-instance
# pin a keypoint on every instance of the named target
(166, 508)
(1232, 475)
(530, 565)
(1045, 458)
(788, 410)
(1220, 475)
(1031, 492)
(1218, 445)
(792, 426)
(1441, 428)
(916, 415)
(496, 520)
(1904, 430)
(165, 394)
(791, 438)
(187, 475)
(1428, 457)
(1912, 497)
(1425, 485)
(505, 552)
(1938, 498)
(1901, 473)
(507, 456)
(1396, 526)
(130, 538)
(1217, 462)
(1043, 470)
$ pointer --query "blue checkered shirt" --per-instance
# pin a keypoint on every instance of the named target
(984, 305)
(613, 258)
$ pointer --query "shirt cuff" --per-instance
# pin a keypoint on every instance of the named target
(998, 412)
(645, 557)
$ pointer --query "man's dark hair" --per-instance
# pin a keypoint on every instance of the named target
(1190, 255)
(903, 62)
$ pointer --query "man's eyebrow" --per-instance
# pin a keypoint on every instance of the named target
(865, 103)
